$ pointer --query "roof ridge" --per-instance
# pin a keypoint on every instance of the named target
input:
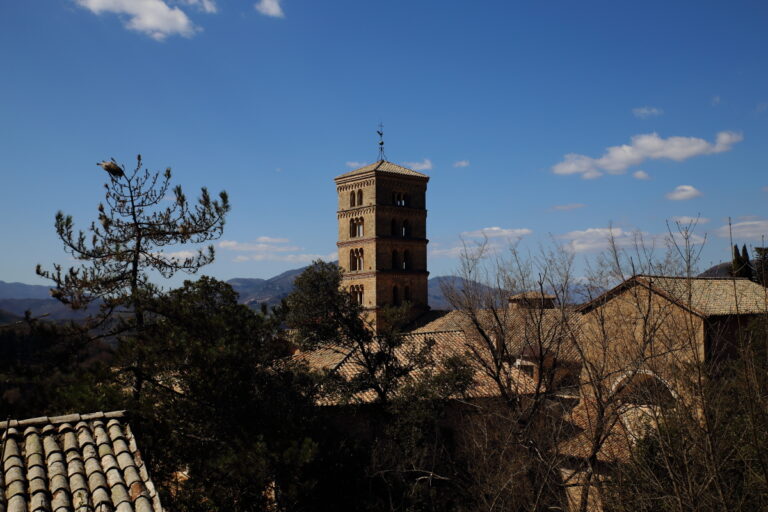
(66, 418)
(704, 278)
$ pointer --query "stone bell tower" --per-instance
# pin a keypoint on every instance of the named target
(383, 236)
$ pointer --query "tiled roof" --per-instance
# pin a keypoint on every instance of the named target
(78, 463)
(445, 344)
(705, 296)
(385, 167)
(523, 329)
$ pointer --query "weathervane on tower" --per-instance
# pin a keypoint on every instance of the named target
(380, 131)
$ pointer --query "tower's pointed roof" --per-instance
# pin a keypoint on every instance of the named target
(383, 166)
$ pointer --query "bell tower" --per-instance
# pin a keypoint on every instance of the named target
(383, 236)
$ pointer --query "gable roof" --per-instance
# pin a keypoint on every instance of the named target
(383, 166)
(703, 296)
(76, 462)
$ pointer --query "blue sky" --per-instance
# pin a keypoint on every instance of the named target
(540, 120)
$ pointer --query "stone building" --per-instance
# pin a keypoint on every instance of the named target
(382, 238)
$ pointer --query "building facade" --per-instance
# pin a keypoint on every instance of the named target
(382, 238)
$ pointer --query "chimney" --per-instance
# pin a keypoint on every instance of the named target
(532, 300)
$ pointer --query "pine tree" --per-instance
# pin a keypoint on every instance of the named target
(761, 265)
(128, 243)
(746, 264)
(736, 262)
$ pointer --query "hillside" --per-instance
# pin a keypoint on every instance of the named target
(16, 298)
(23, 291)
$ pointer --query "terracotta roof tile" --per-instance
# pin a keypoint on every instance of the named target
(705, 296)
(383, 166)
(73, 463)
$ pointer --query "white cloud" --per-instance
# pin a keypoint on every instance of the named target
(617, 159)
(180, 255)
(271, 240)
(568, 207)
(232, 245)
(596, 239)
(154, 18)
(646, 112)
(752, 229)
(355, 165)
(765, 189)
(496, 232)
(715, 101)
(267, 248)
(447, 252)
(461, 163)
(641, 175)
(270, 8)
(208, 6)
(685, 219)
(420, 166)
(683, 192)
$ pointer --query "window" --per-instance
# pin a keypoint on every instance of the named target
(356, 227)
(395, 296)
(359, 198)
(357, 293)
(394, 228)
(406, 231)
(360, 259)
(406, 260)
(395, 260)
(352, 260)
(400, 199)
(352, 198)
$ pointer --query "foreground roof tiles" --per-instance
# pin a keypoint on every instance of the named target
(78, 463)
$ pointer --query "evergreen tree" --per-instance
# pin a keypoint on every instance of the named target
(735, 261)
(761, 265)
(746, 264)
(127, 244)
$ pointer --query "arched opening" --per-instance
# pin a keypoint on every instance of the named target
(395, 296)
(406, 200)
(352, 198)
(395, 260)
(352, 228)
(393, 230)
(359, 198)
(360, 265)
(352, 260)
(406, 260)
(394, 198)
(406, 231)
(360, 230)
(643, 388)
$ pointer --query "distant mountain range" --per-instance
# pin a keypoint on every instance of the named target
(16, 298)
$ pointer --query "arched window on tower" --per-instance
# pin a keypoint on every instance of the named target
(395, 296)
(360, 265)
(352, 198)
(406, 260)
(406, 200)
(352, 228)
(406, 231)
(359, 198)
(395, 260)
(360, 229)
(393, 230)
(352, 260)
